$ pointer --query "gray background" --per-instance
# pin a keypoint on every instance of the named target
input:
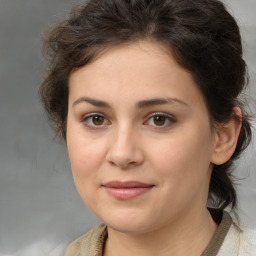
(40, 210)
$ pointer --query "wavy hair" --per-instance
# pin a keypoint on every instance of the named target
(203, 37)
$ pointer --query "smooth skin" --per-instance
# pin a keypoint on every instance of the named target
(135, 115)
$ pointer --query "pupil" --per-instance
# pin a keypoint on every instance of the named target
(98, 120)
(159, 120)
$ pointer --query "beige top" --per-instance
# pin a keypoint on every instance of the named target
(228, 240)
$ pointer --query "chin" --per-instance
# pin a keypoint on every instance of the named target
(128, 228)
(128, 222)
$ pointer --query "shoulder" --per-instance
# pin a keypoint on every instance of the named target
(241, 242)
(248, 242)
(89, 244)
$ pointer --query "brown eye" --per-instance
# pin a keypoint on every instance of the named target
(98, 120)
(95, 121)
(159, 120)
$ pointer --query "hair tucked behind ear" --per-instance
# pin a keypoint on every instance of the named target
(201, 35)
(222, 191)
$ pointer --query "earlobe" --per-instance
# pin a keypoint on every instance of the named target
(226, 138)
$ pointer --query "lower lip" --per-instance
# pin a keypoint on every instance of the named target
(127, 193)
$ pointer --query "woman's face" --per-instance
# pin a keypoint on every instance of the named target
(139, 138)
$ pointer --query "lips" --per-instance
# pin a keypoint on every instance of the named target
(127, 190)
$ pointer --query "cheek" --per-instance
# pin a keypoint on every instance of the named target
(85, 161)
(85, 156)
(183, 171)
(184, 158)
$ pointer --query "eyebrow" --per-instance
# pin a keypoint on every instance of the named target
(140, 104)
(159, 101)
(94, 102)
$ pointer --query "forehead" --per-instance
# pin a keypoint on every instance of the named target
(136, 71)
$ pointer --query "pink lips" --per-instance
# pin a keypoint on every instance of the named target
(126, 190)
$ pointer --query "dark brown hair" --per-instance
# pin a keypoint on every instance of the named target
(202, 36)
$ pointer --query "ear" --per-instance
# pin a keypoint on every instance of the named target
(226, 138)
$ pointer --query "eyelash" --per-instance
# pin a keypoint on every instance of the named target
(92, 115)
(167, 118)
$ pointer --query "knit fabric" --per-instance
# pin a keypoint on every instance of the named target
(228, 240)
(90, 244)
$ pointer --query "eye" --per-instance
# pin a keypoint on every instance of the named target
(95, 120)
(160, 120)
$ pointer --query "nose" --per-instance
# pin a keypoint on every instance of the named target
(125, 150)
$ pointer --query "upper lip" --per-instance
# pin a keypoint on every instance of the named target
(127, 184)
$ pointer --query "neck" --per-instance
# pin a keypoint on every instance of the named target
(189, 235)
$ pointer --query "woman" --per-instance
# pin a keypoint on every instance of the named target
(145, 94)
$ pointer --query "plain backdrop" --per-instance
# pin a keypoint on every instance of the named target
(40, 210)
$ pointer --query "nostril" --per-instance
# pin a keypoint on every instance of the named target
(124, 153)
(122, 162)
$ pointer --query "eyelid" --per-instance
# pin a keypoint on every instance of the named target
(87, 116)
(84, 117)
(169, 117)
